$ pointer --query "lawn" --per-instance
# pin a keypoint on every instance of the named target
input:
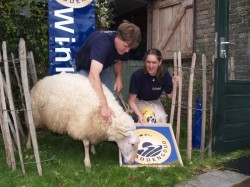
(62, 164)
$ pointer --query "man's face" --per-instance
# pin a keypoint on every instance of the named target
(121, 46)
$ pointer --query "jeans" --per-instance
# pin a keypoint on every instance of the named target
(106, 78)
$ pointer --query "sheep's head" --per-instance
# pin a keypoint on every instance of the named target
(128, 145)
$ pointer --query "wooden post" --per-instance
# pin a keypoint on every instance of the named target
(10, 157)
(178, 124)
(11, 105)
(190, 101)
(11, 126)
(204, 104)
(4, 133)
(5, 139)
(211, 110)
(32, 67)
(21, 95)
(174, 92)
(25, 83)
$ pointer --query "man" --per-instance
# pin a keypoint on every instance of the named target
(101, 50)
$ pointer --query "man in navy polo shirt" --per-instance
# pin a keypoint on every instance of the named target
(100, 51)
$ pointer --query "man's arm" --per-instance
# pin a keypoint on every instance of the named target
(94, 77)
(118, 72)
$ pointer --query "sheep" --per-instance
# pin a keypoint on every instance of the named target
(66, 103)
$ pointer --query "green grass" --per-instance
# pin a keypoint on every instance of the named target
(62, 164)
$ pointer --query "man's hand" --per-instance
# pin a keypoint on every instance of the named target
(107, 113)
(118, 85)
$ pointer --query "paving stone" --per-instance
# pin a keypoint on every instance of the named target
(217, 178)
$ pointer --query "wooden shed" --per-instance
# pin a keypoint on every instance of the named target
(217, 28)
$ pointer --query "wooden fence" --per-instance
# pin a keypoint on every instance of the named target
(11, 126)
(13, 132)
(177, 103)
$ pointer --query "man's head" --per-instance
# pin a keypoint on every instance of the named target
(129, 35)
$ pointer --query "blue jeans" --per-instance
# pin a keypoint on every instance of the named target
(106, 78)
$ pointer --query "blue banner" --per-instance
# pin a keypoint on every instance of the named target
(70, 22)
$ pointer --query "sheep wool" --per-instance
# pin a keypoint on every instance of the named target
(66, 103)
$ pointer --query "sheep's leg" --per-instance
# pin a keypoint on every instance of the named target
(28, 143)
(86, 149)
(92, 149)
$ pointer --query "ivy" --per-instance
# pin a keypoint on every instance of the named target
(104, 13)
(28, 19)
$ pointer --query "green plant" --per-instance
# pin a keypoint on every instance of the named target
(29, 20)
(104, 13)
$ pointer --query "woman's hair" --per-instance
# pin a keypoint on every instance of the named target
(160, 71)
(130, 33)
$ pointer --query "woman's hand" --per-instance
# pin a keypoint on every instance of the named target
(176, 79)
(141, 119)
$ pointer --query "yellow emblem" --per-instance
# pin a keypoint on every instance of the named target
(149, 115)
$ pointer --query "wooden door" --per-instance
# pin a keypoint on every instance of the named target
(231, 127)
(170, 27)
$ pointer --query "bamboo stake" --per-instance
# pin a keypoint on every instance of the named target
(179, 99)
(211, 110)
(10, 158)
(190, 101)
(204, 104)
(12, 106)
(25, 83)
(174, 92)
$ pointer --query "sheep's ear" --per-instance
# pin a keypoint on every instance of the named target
(124, 130)
(126, 134)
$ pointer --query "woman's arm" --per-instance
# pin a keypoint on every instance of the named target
(175, 80)
(132, 104)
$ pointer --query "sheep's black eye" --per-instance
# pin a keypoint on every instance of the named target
(133, 144)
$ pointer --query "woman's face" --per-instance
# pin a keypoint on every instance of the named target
(152, 64)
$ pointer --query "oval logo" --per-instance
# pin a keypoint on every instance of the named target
(74, 3)
(154, 148)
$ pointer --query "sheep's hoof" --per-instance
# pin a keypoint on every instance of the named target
(87, 164)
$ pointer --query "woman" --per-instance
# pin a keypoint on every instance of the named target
(146, 87)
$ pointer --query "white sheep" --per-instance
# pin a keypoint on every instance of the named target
(67, 104)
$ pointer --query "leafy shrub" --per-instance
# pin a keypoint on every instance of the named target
(29, 20)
